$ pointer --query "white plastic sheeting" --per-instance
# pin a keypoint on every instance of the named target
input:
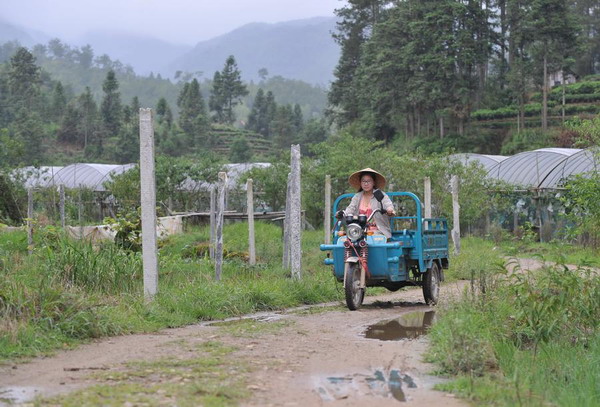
(234, 172)
(90, 176)
(33, 177)
(581, 163)
(529, 169)
(486, 160)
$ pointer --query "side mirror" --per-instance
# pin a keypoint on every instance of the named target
(378, 194)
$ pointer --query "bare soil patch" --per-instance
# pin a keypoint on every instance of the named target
(314, 356)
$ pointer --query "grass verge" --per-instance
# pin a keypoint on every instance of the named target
(70, 291)
(528, 338)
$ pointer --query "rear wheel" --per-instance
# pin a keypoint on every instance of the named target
(354, 294)
(431, 284)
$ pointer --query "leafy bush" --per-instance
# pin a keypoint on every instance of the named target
(526, 140)
(587, 131)
(581, 200)
(128, 229)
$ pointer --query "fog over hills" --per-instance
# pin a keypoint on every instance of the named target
(144, 54)
(27, 37)
(299, 49)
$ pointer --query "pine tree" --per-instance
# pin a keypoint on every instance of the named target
(227, 91)
(356, 21)
(111, 112)
(216, 102)
(69, 131)
(284, 130)
(555, 35)
(59, 102)
(23, 80)
(192, 114)
(258, 120)
(164, 119)
(28, 129)
(88, 125)
(164, 114)
(298, 118)
(128, 144)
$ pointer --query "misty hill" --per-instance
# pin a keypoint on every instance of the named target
(9, 32)
(144, 54)
(300, 49)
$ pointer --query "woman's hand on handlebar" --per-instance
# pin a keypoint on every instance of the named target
(391, 212)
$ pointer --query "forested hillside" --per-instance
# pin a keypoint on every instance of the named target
(61, 104)
(415, 71)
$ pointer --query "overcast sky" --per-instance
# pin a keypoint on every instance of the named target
(177, 21)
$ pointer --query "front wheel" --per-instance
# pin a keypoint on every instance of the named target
(431, 284)
(354, 294)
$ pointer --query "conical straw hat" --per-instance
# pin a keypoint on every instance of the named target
(354, 179)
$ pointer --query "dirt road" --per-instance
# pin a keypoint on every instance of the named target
(312, 357)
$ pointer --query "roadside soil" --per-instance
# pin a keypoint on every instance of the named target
(319, 356)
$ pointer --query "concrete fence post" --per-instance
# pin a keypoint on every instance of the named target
(61, 203)
(80, 213)
(286, 224)
(220, 218)
(295, 222)
(427, 197)
(148, 201)
(250, 210)
(455, 215)
(327, 220)
(30, 220)
(213, 204)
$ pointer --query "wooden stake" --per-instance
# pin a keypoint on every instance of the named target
(220, 219)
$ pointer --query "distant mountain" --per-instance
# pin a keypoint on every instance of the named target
(26, 37)
(144, 54)
(300, 49)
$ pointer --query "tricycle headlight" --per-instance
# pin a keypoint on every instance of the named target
(354, 231)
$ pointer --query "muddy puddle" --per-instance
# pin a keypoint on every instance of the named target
(17, 395)
(381, 383)
(408, 326)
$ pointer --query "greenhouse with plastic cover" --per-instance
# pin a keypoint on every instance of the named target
(533, 182)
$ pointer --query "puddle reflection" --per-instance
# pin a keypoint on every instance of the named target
(379, 383)
(407, 326)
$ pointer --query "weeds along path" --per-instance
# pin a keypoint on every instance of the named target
(310, 356)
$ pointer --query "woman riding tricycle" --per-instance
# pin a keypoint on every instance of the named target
(372, 247)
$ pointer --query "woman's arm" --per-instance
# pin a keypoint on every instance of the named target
(352, 208)
(387, 203)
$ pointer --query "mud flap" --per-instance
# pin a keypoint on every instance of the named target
(352, 259)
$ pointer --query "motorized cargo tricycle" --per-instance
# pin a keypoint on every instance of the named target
(415, 255)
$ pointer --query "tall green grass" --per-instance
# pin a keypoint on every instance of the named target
(69, 291)
(529, 338)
